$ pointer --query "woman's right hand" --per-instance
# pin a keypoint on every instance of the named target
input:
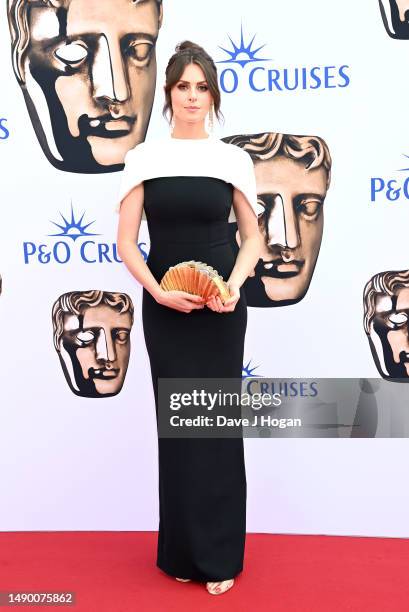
(180, 300)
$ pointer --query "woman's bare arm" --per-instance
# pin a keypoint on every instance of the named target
(130, 216)
(248, 255)
(250, 238)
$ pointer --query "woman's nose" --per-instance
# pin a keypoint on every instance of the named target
(192, 94)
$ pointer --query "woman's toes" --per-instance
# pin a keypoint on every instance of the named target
(217, 588)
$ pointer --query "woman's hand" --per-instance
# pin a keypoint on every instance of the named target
(215, 303)
(180, 300)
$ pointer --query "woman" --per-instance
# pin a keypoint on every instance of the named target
(190, 185)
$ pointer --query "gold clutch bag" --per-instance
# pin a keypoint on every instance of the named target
(197, 278)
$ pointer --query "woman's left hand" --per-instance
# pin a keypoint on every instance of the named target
(215, 303)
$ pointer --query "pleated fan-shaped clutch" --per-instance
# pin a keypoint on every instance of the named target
(197, 278)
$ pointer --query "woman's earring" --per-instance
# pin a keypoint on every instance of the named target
(172, 124)
(211, 119)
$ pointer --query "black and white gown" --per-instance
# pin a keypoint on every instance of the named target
(188, 189)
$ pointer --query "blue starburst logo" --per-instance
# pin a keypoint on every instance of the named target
(74, 228)
(247, 371)
(404, 169)
(243, 53)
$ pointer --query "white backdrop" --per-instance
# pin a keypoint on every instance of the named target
(72, 463)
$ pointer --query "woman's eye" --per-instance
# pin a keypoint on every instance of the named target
(71, 54)
(398, 318)
(140, 50)
(200, 87)
(85, 336)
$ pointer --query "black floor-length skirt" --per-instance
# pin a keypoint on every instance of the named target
(202, 481)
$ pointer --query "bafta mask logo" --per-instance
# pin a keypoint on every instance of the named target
(386, 323)
(293, 175)
(395, 17)
(87, 69)
(92, 339)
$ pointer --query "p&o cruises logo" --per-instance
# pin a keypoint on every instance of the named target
(64, 244)
(270, 78)
(247, 371)
(4, 131)
(287, 388)
(386, 188)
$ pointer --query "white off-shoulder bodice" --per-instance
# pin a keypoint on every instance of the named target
(211, 157)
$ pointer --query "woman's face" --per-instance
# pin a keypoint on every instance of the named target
(190, 96)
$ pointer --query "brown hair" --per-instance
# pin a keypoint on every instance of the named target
(187, 53)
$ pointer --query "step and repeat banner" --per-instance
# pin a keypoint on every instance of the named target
(317, 94)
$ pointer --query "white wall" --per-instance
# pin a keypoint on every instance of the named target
(70, 463)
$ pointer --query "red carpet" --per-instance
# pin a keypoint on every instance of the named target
(116, 572)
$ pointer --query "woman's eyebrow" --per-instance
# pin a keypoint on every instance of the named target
(198, 82)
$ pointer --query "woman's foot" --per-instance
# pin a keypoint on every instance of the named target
(217, 588)
(183, 579)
